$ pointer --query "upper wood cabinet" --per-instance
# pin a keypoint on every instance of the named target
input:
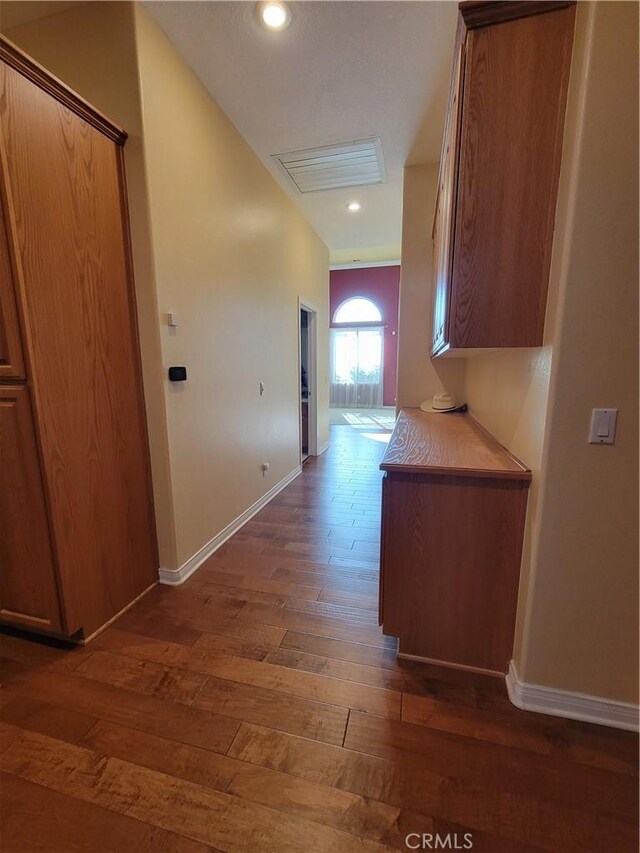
(495, 211)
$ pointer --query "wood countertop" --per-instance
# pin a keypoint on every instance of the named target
(449, 445)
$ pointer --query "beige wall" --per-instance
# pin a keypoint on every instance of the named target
(581, 630)
(232, 256)
(508, 393)
(219, 243)
(419, 377)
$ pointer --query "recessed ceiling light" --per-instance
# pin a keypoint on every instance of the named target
(274, 15)
(354, 206)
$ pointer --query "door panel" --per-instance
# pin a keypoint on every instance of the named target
(11, 362)
(28, 594)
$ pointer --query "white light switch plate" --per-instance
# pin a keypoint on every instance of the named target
(603, 426)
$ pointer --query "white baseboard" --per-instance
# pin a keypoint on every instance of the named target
(322, 448)
(174, 577)
(573, 706)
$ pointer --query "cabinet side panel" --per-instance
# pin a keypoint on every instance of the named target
(511, 140)
(454, 546)
(28, 593)
(446, 204)
(66, 204)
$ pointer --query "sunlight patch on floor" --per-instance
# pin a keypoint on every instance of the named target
(377, 436)
(358, 419)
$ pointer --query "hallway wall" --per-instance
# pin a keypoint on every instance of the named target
(232, 256)
(217, 241)
(581, 626)
(381, 285)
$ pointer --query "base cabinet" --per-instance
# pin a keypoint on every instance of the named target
(451, 543)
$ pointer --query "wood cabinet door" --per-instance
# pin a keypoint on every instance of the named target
(11, 362)
(66, 186)
(515, 85)
(28, 592)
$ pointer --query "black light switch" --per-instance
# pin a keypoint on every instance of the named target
(177, 374)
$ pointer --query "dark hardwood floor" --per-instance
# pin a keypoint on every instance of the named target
(259, 708)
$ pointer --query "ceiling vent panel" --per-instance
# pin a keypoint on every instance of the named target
(332, 167)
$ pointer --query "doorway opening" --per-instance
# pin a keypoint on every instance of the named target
(308, 382)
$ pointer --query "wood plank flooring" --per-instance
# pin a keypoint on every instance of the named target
(258, 707)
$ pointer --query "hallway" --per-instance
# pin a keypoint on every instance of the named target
(259, 707)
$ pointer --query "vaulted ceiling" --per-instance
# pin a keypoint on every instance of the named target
(342, 71)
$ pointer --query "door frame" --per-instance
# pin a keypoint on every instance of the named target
(312, 376)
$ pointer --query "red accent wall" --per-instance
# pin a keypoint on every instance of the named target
(382, 286)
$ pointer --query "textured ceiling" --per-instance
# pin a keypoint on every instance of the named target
(342, 71)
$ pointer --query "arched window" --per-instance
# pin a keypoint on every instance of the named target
(356, 355)
(357, 310)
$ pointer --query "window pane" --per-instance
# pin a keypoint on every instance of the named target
(357, 356)
(357, 310)
(369, 355)
(345, 357)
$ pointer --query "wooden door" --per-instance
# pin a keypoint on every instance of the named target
(11, 362)
(28, 593)
(65, 188)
